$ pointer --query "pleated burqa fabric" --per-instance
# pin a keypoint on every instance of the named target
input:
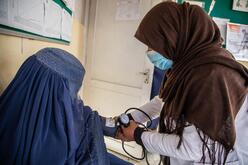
(42, 120)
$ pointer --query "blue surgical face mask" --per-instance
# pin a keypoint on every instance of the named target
(159, 60)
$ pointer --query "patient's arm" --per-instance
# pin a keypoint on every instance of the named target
(109, 126)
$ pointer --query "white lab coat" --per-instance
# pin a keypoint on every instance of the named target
(190, 151)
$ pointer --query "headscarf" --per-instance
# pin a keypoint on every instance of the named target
(42, 120)
(205, 86)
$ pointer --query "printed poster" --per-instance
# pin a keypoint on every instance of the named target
(127, 10)
(240, 5)
(237, 40)
(222, 25)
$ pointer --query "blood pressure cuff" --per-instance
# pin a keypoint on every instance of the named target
(109, 126)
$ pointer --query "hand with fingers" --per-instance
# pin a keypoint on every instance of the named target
(127, 133)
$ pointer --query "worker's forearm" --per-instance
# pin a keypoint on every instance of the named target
(152, 108)
(166, 144)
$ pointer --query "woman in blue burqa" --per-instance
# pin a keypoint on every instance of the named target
(42, 119)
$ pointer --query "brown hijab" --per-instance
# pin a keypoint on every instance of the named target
(206, 86)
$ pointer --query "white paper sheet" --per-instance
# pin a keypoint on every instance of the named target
(222, 24)
(199, 3)
(29, 15)
(240, 5)
(4, 12)
(237, 40)
(53, 20)
(127, 10)
(66, 26)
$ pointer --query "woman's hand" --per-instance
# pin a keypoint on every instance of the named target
(127, 133)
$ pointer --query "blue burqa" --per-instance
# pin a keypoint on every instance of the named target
(42, 120)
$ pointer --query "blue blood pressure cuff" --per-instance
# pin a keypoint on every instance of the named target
(109, 126)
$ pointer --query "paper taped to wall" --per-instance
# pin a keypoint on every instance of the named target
(222, 24)
(66, 26)
(29, 16)
(53, 19)
(240, 5)
(127, 10)
(198, 3)
(237, 40)
(4, 12)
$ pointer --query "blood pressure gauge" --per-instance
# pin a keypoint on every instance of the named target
(124, 120)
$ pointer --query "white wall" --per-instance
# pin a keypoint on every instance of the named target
(15, 50)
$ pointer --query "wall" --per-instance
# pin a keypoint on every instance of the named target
(15, 50)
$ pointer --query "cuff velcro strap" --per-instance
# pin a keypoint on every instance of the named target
(137, 135)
